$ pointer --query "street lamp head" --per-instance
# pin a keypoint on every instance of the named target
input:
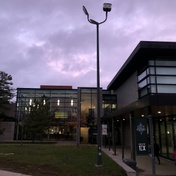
(107, 7)
(85, 11)
(93, 21)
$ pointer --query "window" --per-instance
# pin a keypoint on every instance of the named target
(158, 77)
(165, 70)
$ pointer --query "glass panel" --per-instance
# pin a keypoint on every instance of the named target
(166, 88)
(71, 91)
(151, 62)
(87, 110)
(165, 63)
(85, 91)
(166, 79)
(152, 70)
(165, 70)
(109, 103)
(152, 79)
(27, 93)
(153, 88)
(163, 138)
(170, 138)
(142, 75)
(147, 71)
(143, 92)
(143, 83)
(157, 131)
(40, 93)
(174, 130)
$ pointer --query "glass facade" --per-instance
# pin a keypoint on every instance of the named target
(165, 135)
(159, 76)
(109, 103)
(64, 103)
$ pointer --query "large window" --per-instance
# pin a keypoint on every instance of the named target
(88, 107)
(158, 77)
(109, 103)
(62, 102)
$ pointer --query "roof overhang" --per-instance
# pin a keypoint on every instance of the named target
(140, 55)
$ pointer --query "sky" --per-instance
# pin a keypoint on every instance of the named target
(50, 42)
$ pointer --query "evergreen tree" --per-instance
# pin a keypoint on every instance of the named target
(6, 94)
(37, 122)
(6, 91)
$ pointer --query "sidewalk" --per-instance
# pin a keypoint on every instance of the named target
(7, 173)
(144, 164)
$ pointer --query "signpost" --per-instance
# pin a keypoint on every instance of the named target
(104, 129)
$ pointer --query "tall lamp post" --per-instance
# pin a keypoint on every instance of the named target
(106, 8)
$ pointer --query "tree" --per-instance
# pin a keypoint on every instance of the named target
(6, 94)
(6, 91)
(37, 122)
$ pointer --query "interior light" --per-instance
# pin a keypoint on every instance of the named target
(159, 112)
(30, 102)
(58, 102)
(113, 106)
(72, 102)
(44, 102)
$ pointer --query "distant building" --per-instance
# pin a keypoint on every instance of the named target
(69, 105)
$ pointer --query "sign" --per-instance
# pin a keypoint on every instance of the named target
(104, 129)
(140, 128)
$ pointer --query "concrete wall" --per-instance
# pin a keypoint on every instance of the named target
(8, 133)
(128, 91)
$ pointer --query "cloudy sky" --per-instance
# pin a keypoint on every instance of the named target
(50, 42)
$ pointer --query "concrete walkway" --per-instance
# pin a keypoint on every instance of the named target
(7, 173)
(144, 164)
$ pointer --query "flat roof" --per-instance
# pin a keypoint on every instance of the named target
(55, 87)
(140, 55)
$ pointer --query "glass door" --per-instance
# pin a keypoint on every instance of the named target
(163, 137)
(170, 136)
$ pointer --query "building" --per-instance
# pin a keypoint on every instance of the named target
(146, 89)
(74, 109)
(140, 100)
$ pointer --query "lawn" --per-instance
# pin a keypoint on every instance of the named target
(52, 160)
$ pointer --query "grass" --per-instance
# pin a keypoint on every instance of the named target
(53, 160)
